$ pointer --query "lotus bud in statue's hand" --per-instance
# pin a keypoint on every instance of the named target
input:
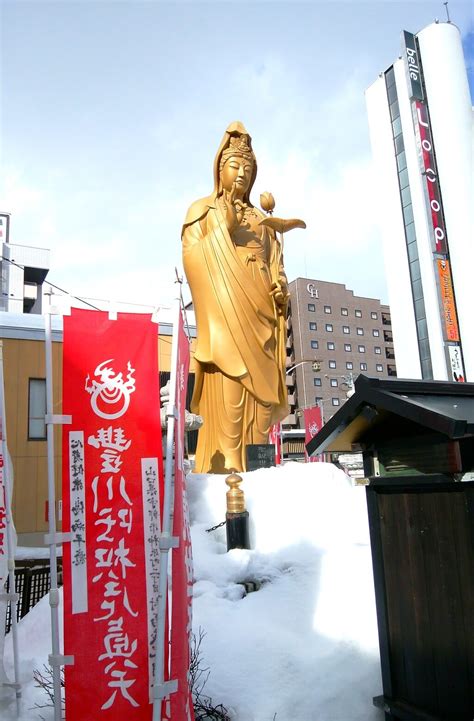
(267, 202)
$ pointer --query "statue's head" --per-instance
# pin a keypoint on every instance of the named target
(235, 162)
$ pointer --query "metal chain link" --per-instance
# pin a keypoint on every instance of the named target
(214, 528)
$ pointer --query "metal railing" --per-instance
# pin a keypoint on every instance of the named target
(32, 582)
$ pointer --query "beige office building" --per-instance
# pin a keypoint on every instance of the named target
(345, 333)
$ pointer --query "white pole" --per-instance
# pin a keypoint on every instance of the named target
(53, 593)
(10, 542)
(166, 540)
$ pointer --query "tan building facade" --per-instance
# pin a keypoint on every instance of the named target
(345, 333)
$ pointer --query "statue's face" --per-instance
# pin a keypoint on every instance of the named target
(236, 170)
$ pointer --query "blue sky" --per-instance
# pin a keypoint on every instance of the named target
(111, 114)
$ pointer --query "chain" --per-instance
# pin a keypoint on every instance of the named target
(214, 528)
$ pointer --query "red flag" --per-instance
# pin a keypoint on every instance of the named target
(3, 513)
(275, 438)
(182, 559)
(112, 492)
(313, 422)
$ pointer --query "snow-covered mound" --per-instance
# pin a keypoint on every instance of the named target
(302, 648)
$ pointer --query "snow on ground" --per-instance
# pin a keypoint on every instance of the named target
(302, 648)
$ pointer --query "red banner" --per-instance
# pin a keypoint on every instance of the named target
(313, 422)
(275, 438)
(3, 510)
(112, 493)
(181, 705)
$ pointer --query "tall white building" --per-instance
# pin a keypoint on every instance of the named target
(421, 129)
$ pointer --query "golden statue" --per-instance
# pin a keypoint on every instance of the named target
(234, 265)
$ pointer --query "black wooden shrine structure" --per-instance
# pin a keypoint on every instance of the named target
(417, 441)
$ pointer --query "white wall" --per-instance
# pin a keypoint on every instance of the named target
(387, 207)
(452, 126)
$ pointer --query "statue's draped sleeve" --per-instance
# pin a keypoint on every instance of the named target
(240, 332)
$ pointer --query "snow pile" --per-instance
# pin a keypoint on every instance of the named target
(302, 648)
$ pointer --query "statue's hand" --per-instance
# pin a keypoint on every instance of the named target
(280, 296)
(231, 208)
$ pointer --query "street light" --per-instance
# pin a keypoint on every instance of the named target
(316, 365)
(347, 380)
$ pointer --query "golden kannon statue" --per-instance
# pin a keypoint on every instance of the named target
(234, 267)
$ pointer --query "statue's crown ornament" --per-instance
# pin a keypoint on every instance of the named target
(238, 145)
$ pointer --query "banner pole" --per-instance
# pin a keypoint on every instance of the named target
(162, 689)
(10, 541)
(53, 593)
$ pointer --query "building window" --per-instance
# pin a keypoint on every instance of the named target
(327, 308)
(331, 345)
(360, 331)
(373, 315)
(317, 381)
(379, 367)
(314, 344)
(349, 365)
(335, 401)
(334, 383)
(311, 307)
(318, 400)
(358, 314)
(346, 329)
(36, 409)
(377, 350)
(313, 326)
(361, 348)
(363, 366)
(344, 311)
(332, 364)
(347, 347)
(375, 332)
(329, 327)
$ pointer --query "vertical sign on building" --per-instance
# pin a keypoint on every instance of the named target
(412, 66)
(112, 478)
(430, 174)
(434, 203)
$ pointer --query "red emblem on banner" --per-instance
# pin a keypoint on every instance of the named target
(112, 491)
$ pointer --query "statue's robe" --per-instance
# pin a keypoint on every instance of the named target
(240, 388)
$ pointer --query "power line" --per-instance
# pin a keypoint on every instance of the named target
(81, 300)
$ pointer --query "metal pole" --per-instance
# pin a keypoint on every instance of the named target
(166, 541)
(10, 542)
(53, 593)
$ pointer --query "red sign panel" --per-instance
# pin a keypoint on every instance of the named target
(112, 490)
(313, 422)
(430, 172)
(275, 438)
(3, 512)
(181, 705)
